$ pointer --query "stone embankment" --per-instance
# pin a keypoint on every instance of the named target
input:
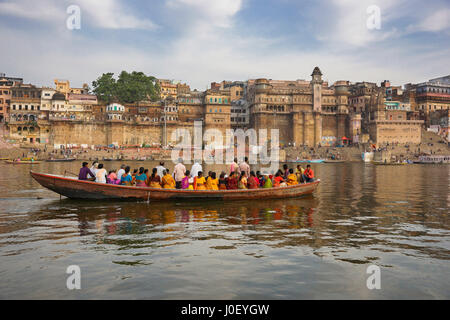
(431, 144)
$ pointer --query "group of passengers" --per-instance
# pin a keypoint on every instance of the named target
(240, 177)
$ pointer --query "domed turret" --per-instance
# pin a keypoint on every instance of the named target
(316, 76)
(262, 85)
(316, 71)
(341, 88)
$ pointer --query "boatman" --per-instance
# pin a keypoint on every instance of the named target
(84, 172)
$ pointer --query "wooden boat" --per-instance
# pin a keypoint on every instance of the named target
(380, 163)
(316, 161)
(433, 159)
(4, 158)
(61, 160)
(22, 162)
(80, 189)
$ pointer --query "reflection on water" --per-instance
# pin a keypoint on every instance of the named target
(313, 247)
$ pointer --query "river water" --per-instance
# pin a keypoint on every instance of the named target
(315, 247)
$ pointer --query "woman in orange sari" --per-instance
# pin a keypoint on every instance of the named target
(222, 181)
(200, 182)
(212, 183)
(278, 180)
(168, 182)
(154, 181)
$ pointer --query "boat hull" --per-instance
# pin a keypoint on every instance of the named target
(388, 163)
(78, 189)
(22, 162)
(61, 160)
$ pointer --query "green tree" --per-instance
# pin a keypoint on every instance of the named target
(129, 87)
(136, 86)
(105, 87)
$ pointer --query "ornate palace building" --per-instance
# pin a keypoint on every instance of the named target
(305, 112)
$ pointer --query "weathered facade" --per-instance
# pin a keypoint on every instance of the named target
(5, 94)
(306, 112)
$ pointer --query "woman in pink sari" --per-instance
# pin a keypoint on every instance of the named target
(112, 177)
(185, 180)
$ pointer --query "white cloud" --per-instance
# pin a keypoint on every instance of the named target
(111, 14)
(212, 13)
(30, 9)
(347, 25)
(108, 14)
(435, 22)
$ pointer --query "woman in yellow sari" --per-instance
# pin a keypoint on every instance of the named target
(212, 183)
(200, 182)
(242, 184)
(291, 178)
(168, 182)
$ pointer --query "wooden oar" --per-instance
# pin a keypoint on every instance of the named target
(65, 171)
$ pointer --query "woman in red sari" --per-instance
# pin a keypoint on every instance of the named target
(278, 179)
(232, 181)
(253, 182)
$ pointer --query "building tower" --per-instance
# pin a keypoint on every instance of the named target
(317, 89)
(317, 107)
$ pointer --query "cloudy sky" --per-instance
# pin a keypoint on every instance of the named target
(200, 41)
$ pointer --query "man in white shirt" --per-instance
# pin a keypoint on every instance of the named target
(196, 168)
(160, 169)
(100, 176)
(94, 167)
(178, 173)
(121, 171)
